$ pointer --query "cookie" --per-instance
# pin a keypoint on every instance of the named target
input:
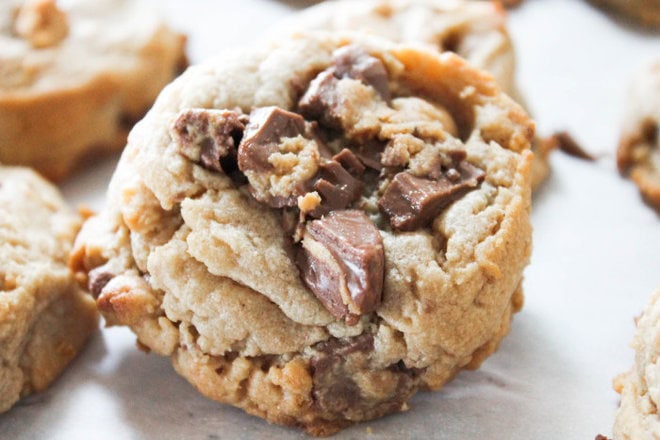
(475, 30)
(45, 318)
(637, 417)
(646, 12)
(638, 155)
(75, 76)
(314, 230)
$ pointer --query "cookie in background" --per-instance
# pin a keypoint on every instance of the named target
(45, 318)
(76, 75)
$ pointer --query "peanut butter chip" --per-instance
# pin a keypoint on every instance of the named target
(342, 261)
(41, 23)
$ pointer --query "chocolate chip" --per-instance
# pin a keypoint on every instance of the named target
(97, 281)
(262, 135)
(410, 202)
(354, 62)
(342, 261)
(209, 137)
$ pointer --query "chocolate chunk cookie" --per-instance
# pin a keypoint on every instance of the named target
(45, 318)
(637, 417)
(475, 30)
(317, 229)
(76, 75)
(638, 156)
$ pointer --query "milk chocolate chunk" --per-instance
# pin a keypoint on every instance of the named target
(354, 62)
(322, 102)
(337, 187)
(208, 136)
(411, 202)
(336, 391)
(342, 261)
(262, 135)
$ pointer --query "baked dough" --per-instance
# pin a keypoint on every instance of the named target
(76, 75)
(45, 318)
(314, 230)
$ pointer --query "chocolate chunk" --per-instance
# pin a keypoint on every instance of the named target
(97, 281)
(262, 135)
(335, 366)
(208, 136)
(370, 154)
(349, 162)
(342, 261)
(322, 102)
(337, 187)
(354, 62)
(410, 202)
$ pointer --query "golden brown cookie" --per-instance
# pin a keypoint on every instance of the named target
(637, 417)
(638, 155)
(317, 229)
(45, 318)
(75, 76)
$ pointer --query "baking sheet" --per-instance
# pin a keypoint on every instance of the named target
(595, 262)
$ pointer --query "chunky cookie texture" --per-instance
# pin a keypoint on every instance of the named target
(474, 30)
(76, 75)
(638, 156)
(637, 417)
(45, 318)
(317, 229)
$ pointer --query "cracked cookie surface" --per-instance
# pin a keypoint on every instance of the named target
(474, 30)
(75, 76)
(316, 229)
(45, 318)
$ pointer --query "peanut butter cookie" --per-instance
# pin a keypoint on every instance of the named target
(75, 75)
(316, 229)
(638, 155)
(45, 318)
(637, 417)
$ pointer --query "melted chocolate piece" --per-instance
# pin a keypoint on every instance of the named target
(411, 202)
(335, 365)
(354, 62)
(262, 135)
(342, 261)
(209, 137)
